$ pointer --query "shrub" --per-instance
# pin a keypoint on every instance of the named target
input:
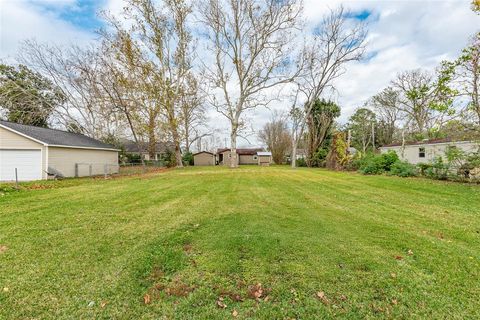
(403, 169)
(372, 165)
(301, 162)
(389, 159)
(377, 164)
(169, 158)
(438, 169)
(188, 159)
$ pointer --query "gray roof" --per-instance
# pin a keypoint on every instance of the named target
(56, 137)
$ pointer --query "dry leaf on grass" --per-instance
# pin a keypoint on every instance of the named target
(256, 291)
(410, 252)
(322, 297)
(399, 257)
(103, 304)
(393, 275)
(3, 248)
(220, 303)
(234, 313)
(147, 299)
(394, 301)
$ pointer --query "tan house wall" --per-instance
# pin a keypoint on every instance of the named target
(432, 151)
(248, 159)
(226, 158)
(64, 160)
(204, 159)
(12, 140)
(264, 160)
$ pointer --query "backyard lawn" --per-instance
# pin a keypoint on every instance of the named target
(266, 243)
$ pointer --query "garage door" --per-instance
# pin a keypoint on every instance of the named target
(27, 162)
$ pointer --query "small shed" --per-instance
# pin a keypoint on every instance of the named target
(264, 158)
(204, 158)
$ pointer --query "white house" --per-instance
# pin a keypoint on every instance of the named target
(33, 152)
(426, 151)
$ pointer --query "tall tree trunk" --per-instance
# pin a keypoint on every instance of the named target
(233, 150)
(293, 156)
(178, 151)
(152, 141)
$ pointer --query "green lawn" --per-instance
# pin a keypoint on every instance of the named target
(266, 243)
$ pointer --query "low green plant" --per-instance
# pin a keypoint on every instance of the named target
(438, 169)
(301, 162)
(403, 169)
(377, 164)
(188, 159)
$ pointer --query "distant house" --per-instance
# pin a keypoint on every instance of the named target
(301, 154)
(203, 158)
(245, 156)
(264, 158)
(34, 152)
(161, 148)
(427, 150)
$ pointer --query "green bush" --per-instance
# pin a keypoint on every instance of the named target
(377, 164)
(188, 159)
(301, 162)
(403, 169)
(389, 159)
(438, 169)
(169, 158)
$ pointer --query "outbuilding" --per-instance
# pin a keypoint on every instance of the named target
(34, 153)
(264, 158)
(204, 158)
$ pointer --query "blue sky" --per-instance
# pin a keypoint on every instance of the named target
(403, 35)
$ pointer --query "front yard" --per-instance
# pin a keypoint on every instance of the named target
(215, 243)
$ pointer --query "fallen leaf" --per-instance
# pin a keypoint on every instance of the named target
(255, 291)
(147, 299)
(410, 252)
(393, 275)
(321, 295)
(3, 248)
(399, 257)
(394, 301)
(5, 289)
(220, 303)
(343, 297)
(103, 304)
(235, 313)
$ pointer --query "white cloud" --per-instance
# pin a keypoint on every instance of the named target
(21, 20)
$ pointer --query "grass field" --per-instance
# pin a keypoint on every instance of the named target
(266, 243)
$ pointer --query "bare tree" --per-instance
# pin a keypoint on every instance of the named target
(192, 113)
(73, 70)
(277, 138)
(250, 41)
(425, 100)
(387, 108)
(336, 43)
(158, 51)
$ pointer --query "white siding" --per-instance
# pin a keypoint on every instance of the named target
(411, 152)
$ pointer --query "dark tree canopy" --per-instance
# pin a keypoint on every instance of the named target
(320, 123)
(26, 96)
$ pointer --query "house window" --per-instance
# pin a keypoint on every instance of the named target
(421, 152)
